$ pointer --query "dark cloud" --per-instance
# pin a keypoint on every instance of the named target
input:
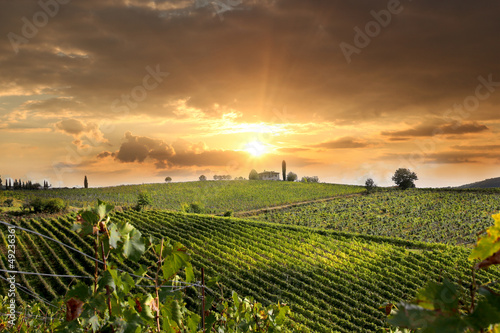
(425, 130)
(256, 59)
(180, 154)
(105, 154)
(71, 126)
(456, 157)
(342, 143)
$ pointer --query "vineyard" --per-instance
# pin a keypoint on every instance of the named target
(333, 281)
(215, 196)
(452, 217)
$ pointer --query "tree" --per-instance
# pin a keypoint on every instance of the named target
(168, 179)
(0, 183)
(85, 182)
(291, 177)
(253, 175)
(370, 185)
(143, 199)
(308, 179)
(203, 178)
(283, 169)
(404, 178)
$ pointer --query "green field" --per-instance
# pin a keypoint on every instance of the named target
(333, 281)
(452, 217)
(334, 262)
(216, 196)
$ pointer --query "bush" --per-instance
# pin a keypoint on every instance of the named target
(144, 199)
(291, 177)
(253, 175)
(55, 205)
(228, 213)
(38, 204)
(51, 206)
(9, 202)
(307, 179)
(194, 207)
(370, 185)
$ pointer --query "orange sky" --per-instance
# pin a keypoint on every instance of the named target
(132, 91)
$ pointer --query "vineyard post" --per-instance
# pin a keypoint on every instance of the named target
(108, 292)
(96, 246)
(157, 288)
(203, 299)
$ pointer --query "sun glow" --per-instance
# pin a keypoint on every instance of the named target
(256, 148)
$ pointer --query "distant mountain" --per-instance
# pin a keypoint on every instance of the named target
(487, 183)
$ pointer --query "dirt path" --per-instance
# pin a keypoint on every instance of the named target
(295, 204)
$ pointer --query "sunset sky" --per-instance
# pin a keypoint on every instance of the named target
(132, 91)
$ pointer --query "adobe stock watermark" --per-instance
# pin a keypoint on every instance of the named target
(30, 28)
(152, 80)
(11, 259)
(455, 115)
(139, 93)
(220, 6)
(363, 38)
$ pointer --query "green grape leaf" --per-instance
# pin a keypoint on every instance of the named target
(172, 311)
(80, 291)
(133, 245)
(189, 273)
(107, 280)
(114, 236)
(439, 296)
(85, 223)
(175, 259)
(411, 316)
(280, 318)
(209, 322)
(487, 311)
(490, 244)
(192, 322)
(103, 209)
(236, 299)
(147, 305)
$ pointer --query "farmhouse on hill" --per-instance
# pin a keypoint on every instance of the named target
(269, 175)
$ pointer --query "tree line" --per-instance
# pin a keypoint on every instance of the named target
(18, 184)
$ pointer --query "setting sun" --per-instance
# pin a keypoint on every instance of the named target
(256, 148)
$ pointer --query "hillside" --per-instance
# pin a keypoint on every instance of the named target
(487, 183)
(440, 216)
(333, 281)
(216, 196)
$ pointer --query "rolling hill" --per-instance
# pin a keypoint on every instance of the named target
(487, 183)
(333, 281)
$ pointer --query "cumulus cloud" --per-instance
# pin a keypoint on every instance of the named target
(85, 134)
(71, 126)
(180, 153)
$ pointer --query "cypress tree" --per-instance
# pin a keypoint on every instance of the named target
(283, 169)
(85, 182)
